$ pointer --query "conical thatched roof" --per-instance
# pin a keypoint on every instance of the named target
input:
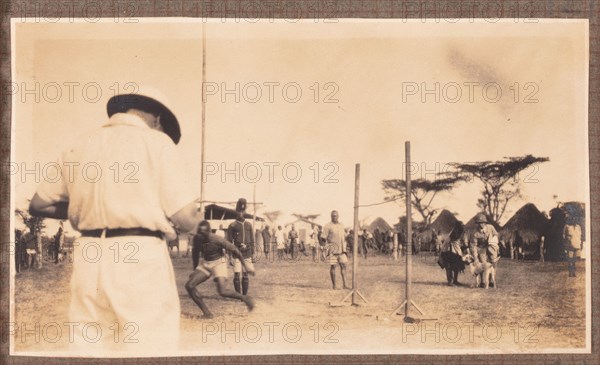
(470, 226)
(379, 223)
(530, 223)
(444, 222)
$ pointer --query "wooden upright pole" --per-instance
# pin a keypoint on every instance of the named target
(203, 127)
(257, 249)
(354, 292)
(355, 236)
(408, 287)
(408, 230)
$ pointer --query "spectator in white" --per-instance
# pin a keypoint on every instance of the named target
(572, 243)
(313, 239)
(221, 231)
(136, 294)
(280, 240)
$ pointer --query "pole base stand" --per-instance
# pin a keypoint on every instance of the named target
(350, 294)
(406, 306)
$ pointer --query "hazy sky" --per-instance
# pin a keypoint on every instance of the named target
(372, 73)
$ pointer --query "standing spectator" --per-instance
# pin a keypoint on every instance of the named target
(266, 236)
(31, 252)
(59, 240)
(280, 241)
(293, 242)
(190, 243)
(273, 243)
(258, 242)
(313, 238)
(519, 245)
(365, 240)
(350, 242)
(390, 241)
(378, 240)
(334, 236)
(572, 244)
(437, 239)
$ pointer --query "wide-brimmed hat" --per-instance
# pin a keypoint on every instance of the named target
(149, 100)
(481, 218)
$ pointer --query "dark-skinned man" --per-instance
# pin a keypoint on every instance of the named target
(240, 233)
(214, 264)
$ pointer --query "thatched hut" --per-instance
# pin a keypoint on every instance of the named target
(441, 226)
(529, 225)
(470, 227)
(376, 223)
(444, 222)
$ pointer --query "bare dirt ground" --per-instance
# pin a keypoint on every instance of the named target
(536, 307)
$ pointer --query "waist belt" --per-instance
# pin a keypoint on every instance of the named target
(117, 232)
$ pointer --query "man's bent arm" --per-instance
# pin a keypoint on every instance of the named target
(187, 218)
(231, 248)
(40, 207)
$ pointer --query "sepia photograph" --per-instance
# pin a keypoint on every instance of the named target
(260, 186)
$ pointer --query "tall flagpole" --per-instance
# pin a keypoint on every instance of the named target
(203, 129)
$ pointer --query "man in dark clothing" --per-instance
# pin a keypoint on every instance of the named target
(241, 235)
(293, 240)
(214, 265)
(266, 234)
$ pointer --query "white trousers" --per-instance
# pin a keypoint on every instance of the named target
(124, 299)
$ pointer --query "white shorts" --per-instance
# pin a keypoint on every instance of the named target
(31, 251)
(237, 264)
(337, 258)
(216, 268)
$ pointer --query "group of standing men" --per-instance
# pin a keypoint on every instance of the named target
(289, 244)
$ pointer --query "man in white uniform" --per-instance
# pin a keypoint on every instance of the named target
(123, 284)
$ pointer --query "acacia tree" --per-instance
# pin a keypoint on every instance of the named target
(422, 192)
(272, 216)
(500, 179)
(306, 217)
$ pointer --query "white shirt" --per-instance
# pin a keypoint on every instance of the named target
(279, 238)
(123, 175)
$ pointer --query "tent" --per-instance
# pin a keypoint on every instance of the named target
(531, 225)
(217, 212)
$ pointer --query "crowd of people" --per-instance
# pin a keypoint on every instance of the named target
(287, 243)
